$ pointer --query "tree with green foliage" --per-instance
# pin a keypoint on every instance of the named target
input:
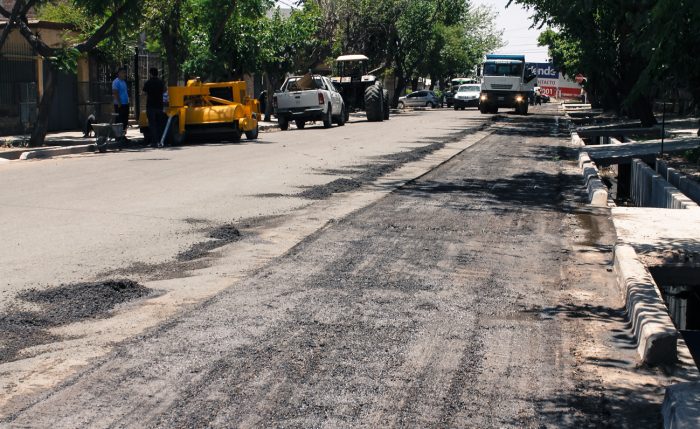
(461, 46)
(107, 15)
(671, 39)
(410, 38)
(287, 45)
(627, 50)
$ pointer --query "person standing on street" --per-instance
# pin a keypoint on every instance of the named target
(121, 98)
(154, 88)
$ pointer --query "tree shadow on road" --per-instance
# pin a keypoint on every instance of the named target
(534, 189)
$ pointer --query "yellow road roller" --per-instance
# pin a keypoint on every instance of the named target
(208, 111)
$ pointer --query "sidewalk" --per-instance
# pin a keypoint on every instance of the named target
(12, 147)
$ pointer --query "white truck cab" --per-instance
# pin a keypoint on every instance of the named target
(506, 83)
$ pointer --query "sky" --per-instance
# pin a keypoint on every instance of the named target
(519, 38)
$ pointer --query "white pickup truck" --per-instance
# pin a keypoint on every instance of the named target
(308, 98)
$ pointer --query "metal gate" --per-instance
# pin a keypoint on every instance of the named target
(64, 107)
(18, 89)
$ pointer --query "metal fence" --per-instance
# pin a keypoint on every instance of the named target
(18, 88)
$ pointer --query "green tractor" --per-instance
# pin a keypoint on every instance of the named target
(361, 90)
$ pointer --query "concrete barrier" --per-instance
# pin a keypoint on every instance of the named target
(687, 186)
(576, 140)
(657, 337)
(597, 191)
(681, 407)
(650, 189)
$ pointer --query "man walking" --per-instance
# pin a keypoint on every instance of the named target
(121, 98)
(154, 88)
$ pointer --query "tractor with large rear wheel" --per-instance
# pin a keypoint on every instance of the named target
(361, 90)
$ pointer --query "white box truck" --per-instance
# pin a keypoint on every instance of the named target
(506, 83)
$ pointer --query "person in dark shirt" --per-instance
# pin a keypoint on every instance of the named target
(154, 88)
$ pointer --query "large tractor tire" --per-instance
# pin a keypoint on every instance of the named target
(374, 103)
(387, 109)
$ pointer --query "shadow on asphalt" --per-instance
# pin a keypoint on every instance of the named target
(531, 189)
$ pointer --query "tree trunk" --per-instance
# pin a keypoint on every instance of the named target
(644, 109)
(170, 35)
(270, 93)
(42, 120)
(400, 89)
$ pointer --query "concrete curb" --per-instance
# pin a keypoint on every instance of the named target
(60, 151)
(657, 337)
(680, 409)
(597, 191)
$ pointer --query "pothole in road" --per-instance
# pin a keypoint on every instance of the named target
(217, 237)
(21, 328)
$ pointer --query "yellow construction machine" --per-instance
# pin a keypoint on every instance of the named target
(220, 111)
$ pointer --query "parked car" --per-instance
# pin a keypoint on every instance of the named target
(467, 96)
(308, 98)
(454, 86)
(420, 99)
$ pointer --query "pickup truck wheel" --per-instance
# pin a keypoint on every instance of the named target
(341, 117)
(374, 103)
(283, 123)
(300, 123)
(456, 108)
(328, 119)
(252, 134)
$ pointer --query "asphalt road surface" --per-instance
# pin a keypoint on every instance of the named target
(69, 219)
(447, 303)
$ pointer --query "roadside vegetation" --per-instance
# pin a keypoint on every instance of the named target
(631, 52)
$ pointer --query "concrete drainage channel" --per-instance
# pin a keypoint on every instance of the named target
(662, 300)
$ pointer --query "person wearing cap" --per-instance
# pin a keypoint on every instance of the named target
(120, 93)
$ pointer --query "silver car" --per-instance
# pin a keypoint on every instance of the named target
(419, 99)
